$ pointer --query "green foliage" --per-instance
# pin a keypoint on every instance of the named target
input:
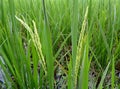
(41, 40)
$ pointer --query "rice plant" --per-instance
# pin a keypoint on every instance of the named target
(59, 44)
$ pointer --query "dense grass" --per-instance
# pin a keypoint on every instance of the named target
(60, 44)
